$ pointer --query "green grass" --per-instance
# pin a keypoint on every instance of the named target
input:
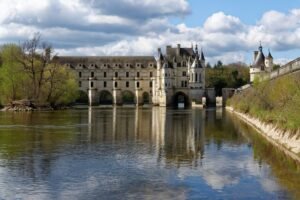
(276, 102)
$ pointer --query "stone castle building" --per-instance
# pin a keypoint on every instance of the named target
(176, 78)
(261, 64)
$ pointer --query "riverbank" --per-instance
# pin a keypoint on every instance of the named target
(286, 140)
(29, 106)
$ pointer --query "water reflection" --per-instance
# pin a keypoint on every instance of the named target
(139, 153)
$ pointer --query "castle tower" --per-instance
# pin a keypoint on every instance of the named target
(202, 60)
(269, 62)
(258, 67)
(196, 70)
(163, 81)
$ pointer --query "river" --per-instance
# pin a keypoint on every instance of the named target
(145, 153)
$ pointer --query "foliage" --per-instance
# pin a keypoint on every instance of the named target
(231, 76)
(27, 72)
(275, 67)
(276, 101)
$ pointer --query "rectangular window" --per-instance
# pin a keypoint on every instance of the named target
(104, 74)
(92, 74)
(116, 84)
(79, 83)
(79, 74)
(137, 84)
(185, 84)
(127, 74)
(151, 74)
(127, 84)
(104, 84)
(92, 84)
(184, 73)
(150, 84)
(196, 77)
(116, 74)
(138, 74)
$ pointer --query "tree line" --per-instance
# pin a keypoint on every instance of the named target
(226, 76)
(27, 71)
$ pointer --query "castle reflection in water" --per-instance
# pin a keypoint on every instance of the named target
(175, 135)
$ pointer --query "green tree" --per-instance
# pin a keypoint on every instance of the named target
(276, 66)
(12, 78)
(28, 72)
(208, 65)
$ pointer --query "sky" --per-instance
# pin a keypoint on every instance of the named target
(226, 30)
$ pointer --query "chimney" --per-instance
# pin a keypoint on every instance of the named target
(168, 48)
(255, 55)
(178, 50)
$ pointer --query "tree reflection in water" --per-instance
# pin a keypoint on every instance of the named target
(141, 145)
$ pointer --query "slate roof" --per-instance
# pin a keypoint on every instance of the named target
(110, 60)
(260, 59)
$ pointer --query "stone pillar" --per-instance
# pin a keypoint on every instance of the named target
(92, 92)
(117, 97)
(114, 97)
(138, 97)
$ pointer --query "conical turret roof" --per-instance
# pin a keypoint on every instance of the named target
(260, 59)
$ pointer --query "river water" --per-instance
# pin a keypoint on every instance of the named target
(145, 153)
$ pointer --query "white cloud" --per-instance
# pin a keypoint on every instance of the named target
(219, 22)
(134, 27)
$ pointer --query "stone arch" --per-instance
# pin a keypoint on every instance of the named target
(146, 98)
(82, 98)
(105, 98)
(128, 97)
(180, 100)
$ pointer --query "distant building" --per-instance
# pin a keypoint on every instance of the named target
(261, 64)
(176, 78)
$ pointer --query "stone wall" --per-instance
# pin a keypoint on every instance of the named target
(290, 143)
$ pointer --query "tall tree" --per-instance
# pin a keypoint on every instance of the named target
(29, 72)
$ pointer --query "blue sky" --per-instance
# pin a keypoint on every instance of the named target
(227, 30)
(248, 11)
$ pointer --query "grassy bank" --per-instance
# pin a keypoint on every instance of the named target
(276, 102)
